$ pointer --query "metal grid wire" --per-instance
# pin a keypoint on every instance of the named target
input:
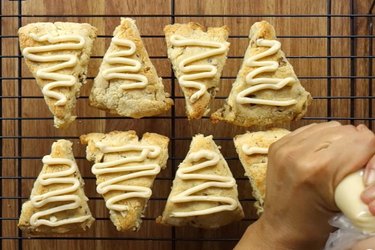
(173, 117)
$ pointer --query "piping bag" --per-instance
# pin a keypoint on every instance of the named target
(356, 222)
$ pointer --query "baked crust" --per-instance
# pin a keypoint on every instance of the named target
(136, 103)
(249, 115)
(207, 221)
(176, 54)
(63, 115)
(60, 149)
(130, 219)
(255, 165)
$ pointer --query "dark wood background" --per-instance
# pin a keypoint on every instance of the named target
(328, 47)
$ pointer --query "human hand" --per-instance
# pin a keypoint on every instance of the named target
(304, 169)
(368, 196)
(367, 244)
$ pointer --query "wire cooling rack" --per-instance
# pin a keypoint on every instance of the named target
(329, 42)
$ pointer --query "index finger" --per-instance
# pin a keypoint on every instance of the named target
(369, 176)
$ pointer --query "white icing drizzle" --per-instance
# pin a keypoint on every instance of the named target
(249, 150)
(129, 167)
(192, 74)
(123, 67)
(61, 62)
(262, 83)
(71, 201)
(210, 181)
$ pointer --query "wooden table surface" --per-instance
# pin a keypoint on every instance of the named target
(303, 27)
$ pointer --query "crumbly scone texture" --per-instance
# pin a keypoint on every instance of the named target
(131, 219)
(135, 103)
(63, 115)
(60, 149)
(209, 221)
(176, 54)
(249, 115)
(256, 165)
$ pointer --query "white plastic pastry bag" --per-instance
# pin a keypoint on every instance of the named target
(345, 236)
(356, 223)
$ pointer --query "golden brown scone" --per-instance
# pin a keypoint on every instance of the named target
(215, 190)
(194, 81)
(246, 105)
(73, 213)
(116, 154)
(119, 69)
(254, 161)
(46, 58)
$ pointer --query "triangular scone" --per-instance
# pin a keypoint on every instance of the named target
(204, 192)
(57, 202)
(198, 57)
(266, 91)
(127, 83)
(252, 149)
(57, 55)
(125, 169)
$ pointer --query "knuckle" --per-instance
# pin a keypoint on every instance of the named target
(274, 147)
(280, 157)
(362, 127)
(334, 123)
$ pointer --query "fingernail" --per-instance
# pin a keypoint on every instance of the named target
(370, 177)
